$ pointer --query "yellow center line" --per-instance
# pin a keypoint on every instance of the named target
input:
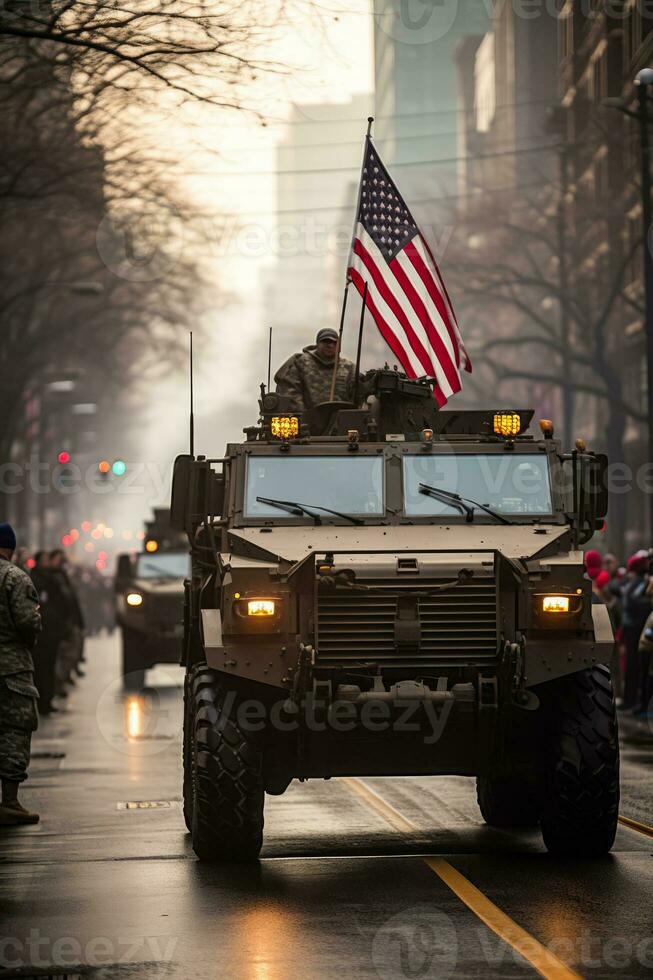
(641, 828)
(528, 947)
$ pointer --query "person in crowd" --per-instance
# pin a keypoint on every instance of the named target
(45, 659)
(593, 564)
(636, 608)
(20, 624)
(645, 666)
(71, 643)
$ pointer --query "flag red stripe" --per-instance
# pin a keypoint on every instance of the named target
(435, 294)
(440, 279)
(442, 354)
(395, 306)
(458, 339)
(388, 335)
(385, 331)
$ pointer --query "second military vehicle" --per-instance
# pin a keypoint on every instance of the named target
(149, 599)
(396, 590)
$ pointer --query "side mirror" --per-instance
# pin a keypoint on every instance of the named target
(180, 497)
(124, 572)
(197, 493)
(216, 495)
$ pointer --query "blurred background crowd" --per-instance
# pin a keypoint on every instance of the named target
(627, 591)
(75, 601)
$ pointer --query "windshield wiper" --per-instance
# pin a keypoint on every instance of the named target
(464, 505)
(293, 507)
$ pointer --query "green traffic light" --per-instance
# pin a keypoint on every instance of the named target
(119, 468)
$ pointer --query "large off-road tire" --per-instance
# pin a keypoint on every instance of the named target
(227, 772)
(133, 672)
(506, 802)
(187, 756)
(579, 763)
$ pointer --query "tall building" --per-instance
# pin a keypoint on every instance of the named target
(507, 82)
(318, 165)
(415, 86)
(601, 51)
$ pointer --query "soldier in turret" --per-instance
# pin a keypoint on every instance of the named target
(20, 624)
(306, 377)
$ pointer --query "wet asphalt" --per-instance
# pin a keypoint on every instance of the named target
(105, 888)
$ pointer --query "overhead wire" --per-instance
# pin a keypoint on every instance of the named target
(437, 161)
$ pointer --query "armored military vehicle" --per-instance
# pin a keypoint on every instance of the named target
(389, 591)
(149, 599)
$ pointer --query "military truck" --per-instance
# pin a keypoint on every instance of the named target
(149, 599)
(396, 590)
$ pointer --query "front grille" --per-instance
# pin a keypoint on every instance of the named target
(164, 612)
(458, 627)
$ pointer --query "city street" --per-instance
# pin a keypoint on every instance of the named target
(358, 878)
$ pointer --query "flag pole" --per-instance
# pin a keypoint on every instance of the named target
(192, 413)
(360, 344)
(337, 357)
(368, 136)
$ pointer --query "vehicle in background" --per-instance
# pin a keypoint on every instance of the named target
(149, 600)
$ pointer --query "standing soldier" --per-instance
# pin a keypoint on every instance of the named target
(45, 656)
(306, 377)
(20, 624)
(68, 610)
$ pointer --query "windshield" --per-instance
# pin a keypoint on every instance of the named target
(164, 564)
(509, 483)
(351, 484)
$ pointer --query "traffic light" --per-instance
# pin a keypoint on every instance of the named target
(63, 457)
(119, 468)
(104, 466)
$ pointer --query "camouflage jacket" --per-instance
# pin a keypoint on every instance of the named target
(20, 620)
(306, 377)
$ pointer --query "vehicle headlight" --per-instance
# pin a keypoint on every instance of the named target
(555, 603)
(134, 599)
(560, 610)
(260, 607)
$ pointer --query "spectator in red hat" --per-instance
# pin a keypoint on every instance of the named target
(593, 563)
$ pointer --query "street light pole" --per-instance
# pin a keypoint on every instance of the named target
(563, 276)
(643, 81)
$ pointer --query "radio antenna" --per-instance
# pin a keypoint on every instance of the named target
(192, 414)
(269, 357)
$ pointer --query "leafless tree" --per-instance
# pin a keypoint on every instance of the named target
(536, 327)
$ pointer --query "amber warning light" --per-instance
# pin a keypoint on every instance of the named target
(284, 426)
(507, 424)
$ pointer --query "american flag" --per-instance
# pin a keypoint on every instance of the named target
(405, 291)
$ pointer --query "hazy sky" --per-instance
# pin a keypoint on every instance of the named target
(332, 60)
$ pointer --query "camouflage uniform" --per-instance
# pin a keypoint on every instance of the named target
(20, 624)
(306, 377)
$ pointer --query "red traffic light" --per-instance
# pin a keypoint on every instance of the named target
(64, 457)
